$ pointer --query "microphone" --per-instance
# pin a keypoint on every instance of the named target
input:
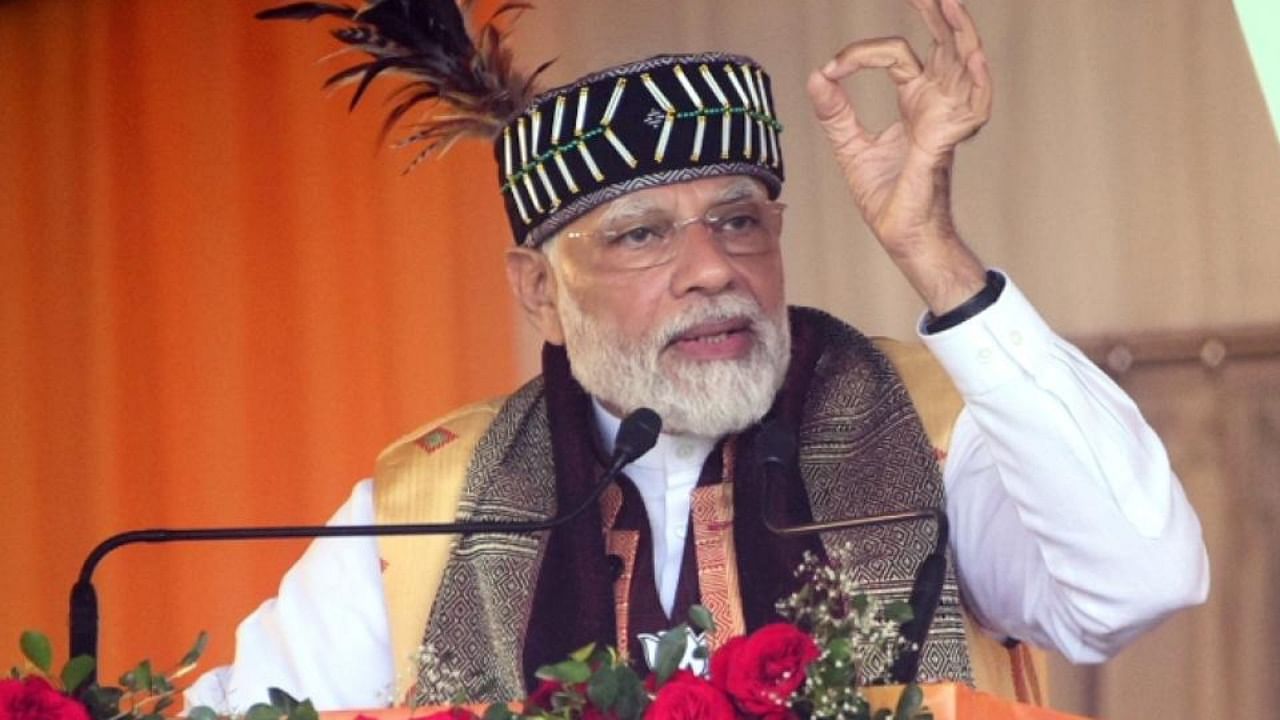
(636, 435)
(776, 451)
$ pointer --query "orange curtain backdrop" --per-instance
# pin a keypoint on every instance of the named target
(218, 301)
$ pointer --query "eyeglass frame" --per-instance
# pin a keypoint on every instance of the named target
(770, 219)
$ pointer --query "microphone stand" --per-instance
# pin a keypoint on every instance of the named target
(636, 435)
(777, 449)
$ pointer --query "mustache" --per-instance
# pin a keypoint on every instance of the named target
(715, 309)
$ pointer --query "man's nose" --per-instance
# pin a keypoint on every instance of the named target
(701, 263)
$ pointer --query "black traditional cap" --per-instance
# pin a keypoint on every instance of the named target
(666, 119)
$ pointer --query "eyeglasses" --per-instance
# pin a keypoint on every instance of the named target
(747, 227)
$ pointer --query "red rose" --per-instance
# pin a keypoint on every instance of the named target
(541, 697)
(686, 696)
(763, 670)
(723, 658)
(35, 699)
(450, 714)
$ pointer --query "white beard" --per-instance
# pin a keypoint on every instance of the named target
(710, 398)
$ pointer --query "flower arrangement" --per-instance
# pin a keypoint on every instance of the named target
(834, 639)
(35, 692)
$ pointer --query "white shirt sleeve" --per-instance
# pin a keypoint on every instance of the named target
(1068, 526)
(324, 636)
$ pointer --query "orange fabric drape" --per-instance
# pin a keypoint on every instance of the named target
(218, 301)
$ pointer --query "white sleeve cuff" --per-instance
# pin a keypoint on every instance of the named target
(1005, 342)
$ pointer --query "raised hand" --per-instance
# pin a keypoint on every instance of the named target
(900, 178)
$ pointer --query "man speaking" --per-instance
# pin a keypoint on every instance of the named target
(644, 201)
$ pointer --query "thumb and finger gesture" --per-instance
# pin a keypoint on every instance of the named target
(894, 174)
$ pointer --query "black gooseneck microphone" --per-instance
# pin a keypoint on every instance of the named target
(776, 451)
(636, 435)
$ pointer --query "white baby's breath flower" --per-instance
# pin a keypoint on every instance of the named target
(839, 613)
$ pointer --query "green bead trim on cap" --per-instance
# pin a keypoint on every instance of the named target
(550, 154)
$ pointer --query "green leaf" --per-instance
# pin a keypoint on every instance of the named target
(36, 648)
(102, 701)
(304, 711)
(602, 688)
(75, 671)
(568, 671)
(196, 651)
(842, 674)
(840, 647)
(281, 700)
(670, 652)
(632, 698)
(498, 711)
(909, 703)
(899, 612)
(702, 619)
(142, 676)
(263, 711)
(201, 712)
(604, 656)
(583, 654)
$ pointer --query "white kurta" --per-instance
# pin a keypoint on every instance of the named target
(1068, 526)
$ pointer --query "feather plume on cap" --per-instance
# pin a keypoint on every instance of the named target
(429, 42)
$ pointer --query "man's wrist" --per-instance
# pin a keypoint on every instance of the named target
(980, 301)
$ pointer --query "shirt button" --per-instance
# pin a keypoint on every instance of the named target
(984, 355)
(1016, 337)
(684, 450)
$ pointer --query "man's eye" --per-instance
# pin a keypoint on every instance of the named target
(738, 222)
(635, 237)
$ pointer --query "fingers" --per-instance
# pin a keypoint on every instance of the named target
(831, 103)
(892, 54)
(965, 31)
(981, 93)
(958, 58)
(939, 27)
(955, 37)
(836, 116)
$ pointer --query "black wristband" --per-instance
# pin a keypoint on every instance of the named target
(967, 309)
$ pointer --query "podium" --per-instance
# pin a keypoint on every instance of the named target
(947, 701)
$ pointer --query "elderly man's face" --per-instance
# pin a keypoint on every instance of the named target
(701, 336)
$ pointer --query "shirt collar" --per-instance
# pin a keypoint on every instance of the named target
(671, 454)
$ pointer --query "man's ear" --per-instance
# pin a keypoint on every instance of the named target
(534, 284)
